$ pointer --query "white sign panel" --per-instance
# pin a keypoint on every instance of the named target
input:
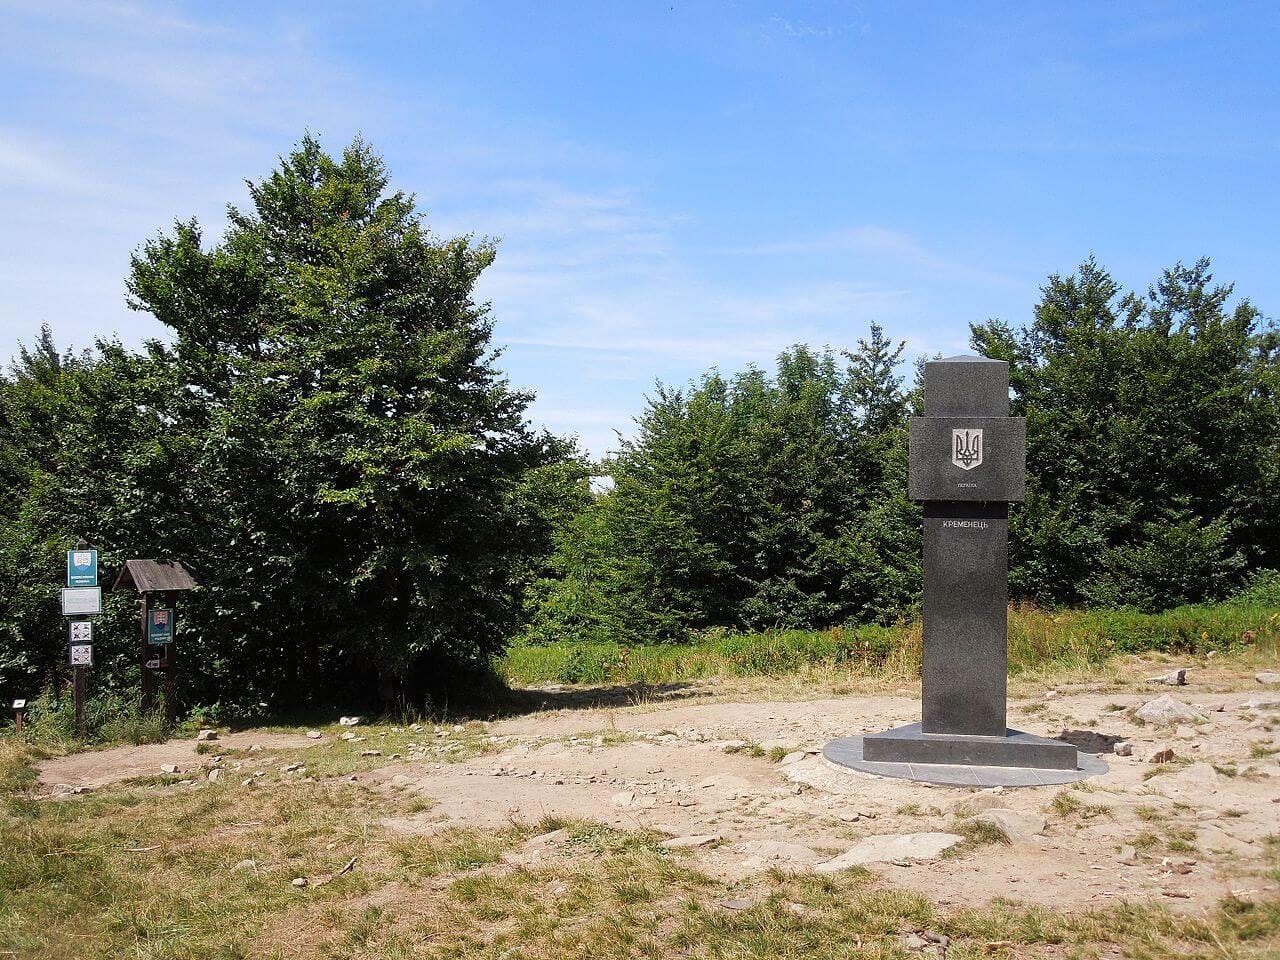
(19, 704)
(81, 631)
(82, 655)
(77, 601)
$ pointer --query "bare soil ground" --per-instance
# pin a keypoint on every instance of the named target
(743, 783)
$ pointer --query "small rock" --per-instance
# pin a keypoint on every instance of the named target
(314, 734)
(244, 865)
(370, 753)
(1128, 856)
(738, 903)
(215, 775)
(348, 735)
(299, 882)
(291, 767)
(1176, 678)
(625, 798)
(1123, 749)
(1018, 827)
(793, 757)
(1163, 756)
(1184, 732)
(169, 768)
(1268, 678)
(204, 735)
(1166, 711)
(355, 722)
(693, 840)
(779, 850)
(547, 839)
(1261, 703)
(914, 942)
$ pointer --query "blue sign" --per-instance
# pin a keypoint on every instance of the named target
(82, 568)
(160, 625)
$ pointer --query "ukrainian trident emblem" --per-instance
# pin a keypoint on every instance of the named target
(966, 448)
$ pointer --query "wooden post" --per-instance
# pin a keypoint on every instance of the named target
(17, 720)
(171, 659)
(148, 676)
(77, 694)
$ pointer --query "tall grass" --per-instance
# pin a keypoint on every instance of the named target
(1037, 639)
(108, 718)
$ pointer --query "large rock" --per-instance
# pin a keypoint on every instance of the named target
(1268, 678)
(1167, 711)
(1175, 678)
(887, 848)
(1018, 827)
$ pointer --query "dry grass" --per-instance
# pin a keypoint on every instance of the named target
(149, 871)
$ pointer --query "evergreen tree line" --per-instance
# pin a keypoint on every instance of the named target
(757, 502)
(325, 438)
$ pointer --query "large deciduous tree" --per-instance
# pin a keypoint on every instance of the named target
(324, 437)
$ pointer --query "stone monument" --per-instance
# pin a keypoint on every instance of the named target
(967, 463)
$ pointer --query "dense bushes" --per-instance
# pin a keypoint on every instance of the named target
(758, 502)
(750, 503)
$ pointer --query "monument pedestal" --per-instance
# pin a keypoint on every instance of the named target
(910, 744)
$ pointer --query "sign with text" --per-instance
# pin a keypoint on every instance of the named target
(82, 655)
(81, 601)
(81, 631)
(160, 625)
(82, 568)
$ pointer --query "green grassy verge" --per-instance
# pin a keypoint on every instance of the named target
(1037, 639)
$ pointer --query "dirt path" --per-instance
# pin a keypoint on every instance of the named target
(1186, 832)
(99, 768)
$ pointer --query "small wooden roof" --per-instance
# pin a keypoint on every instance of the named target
(151, 576)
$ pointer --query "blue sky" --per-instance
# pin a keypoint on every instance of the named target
(675, 185)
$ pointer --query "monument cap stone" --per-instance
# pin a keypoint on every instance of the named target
(966, 387)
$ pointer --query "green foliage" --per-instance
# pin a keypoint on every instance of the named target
(1153, 435)
(753, 502)
(323, 437)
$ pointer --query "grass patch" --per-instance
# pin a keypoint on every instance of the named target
(1038, 639)
(137, 871)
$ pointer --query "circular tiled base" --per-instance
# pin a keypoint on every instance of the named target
(847, 752)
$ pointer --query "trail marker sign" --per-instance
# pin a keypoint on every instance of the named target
(82, 568)
(82, 654)
(160, 625)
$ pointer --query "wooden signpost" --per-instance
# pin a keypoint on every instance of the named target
(81, 598)
(159, 582)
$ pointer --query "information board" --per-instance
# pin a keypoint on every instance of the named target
(81, 601)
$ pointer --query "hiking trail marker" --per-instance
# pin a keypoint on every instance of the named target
(81, 598)
(159, 582)
(967, 463)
